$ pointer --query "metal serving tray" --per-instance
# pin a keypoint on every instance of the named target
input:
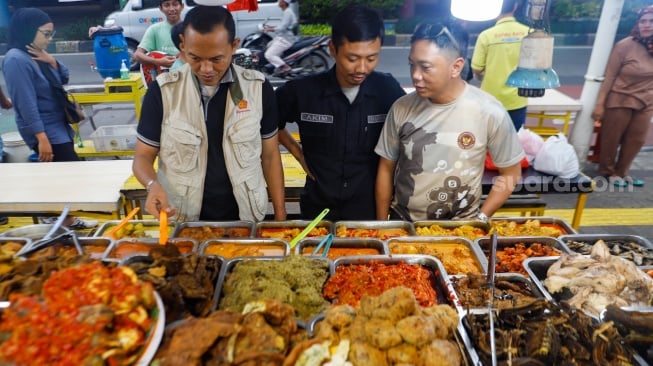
(536, 269)
(514, 278)
(21, 242)
(225, 225)
(33, 232)
(422, 225)
(439, 278)
(435, 241)
(391, 224)
(306, 246)
(642, 243)
(151, 228)
(67, 241)
(229, 266)
(543, 220)
(508, 241)
(272, 247)
(110, 254)
(289, 224)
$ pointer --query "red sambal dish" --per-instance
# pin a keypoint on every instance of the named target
(351, 282)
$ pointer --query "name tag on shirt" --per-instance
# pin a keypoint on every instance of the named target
(377, 118)
(316, 118)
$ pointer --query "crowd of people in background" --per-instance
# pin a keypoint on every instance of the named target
(369, 150)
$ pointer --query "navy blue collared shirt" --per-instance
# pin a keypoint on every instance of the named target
(338, 139)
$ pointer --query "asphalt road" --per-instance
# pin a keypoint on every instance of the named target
(570, 62)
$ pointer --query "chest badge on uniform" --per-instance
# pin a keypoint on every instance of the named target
(242, 104)
(466, 140)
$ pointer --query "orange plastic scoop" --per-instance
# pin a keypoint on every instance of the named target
(163, 227)
(112, 233)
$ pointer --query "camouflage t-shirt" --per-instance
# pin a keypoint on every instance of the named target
(440, 152)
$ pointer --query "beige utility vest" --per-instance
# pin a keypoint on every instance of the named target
(184, 144)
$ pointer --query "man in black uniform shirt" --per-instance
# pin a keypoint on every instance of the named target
(213, 126)
(340, 114)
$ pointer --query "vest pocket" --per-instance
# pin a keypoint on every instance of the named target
(247, 147)
(180, 146)
(254, 192)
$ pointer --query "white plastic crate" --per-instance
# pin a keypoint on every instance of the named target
(114, 138)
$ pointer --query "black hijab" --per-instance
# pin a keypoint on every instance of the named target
(23, 26)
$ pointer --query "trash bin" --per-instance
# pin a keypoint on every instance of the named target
(15, 149)
(110, 49)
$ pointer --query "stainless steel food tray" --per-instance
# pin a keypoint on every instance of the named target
(543, 220)
(642, 243)
(512, 277)
(507, 241)
(366, 243)
(481, 260)
(439, 278)
(391, 224)
(279, 244)
(300, 224)
(33, 232)
(215, 224)
(231, 263)
(109, 254)
(23, 242)
(449, 224)
(151, 227)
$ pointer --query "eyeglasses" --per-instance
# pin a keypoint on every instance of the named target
(433, 31)
(48, 33)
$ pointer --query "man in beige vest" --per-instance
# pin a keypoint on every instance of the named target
(213, 127)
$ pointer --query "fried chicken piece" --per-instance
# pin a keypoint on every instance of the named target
(357, 329)
(256, 335)
(444, 318)
(396, 303)
(403, 353)
(340, 316)
(363, 354)
(417, 330)
(382, 333)
(440, 353)
(323, 330)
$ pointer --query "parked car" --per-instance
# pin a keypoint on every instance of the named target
(136, 15)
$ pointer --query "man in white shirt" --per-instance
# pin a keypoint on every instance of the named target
(284, 38)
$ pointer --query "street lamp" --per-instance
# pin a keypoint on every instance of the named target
(476, 10)
(534, 72)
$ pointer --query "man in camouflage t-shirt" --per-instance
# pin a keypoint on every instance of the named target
(434, 141)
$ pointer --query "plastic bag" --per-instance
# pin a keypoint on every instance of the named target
(530, 142)
(557, 157)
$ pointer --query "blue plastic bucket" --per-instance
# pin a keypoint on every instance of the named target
(110, 49)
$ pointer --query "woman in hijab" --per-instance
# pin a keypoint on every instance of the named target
(625, 102)
(40, 116)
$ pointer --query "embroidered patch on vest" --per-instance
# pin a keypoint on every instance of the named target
(466, 140)
(242, 104)
(316, 118)
(376, 118)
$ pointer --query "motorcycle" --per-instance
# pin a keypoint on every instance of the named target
(305, 57)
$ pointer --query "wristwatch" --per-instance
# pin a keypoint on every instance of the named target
(149, 184)
(482, 217)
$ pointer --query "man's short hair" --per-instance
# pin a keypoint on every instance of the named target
(163, 1)
(203, 19)
(445, 37)
(357, 23)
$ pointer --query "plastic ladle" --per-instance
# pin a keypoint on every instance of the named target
(112, 233)
(163, 227)
(308, 228)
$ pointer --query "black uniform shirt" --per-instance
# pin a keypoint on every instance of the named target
(218, 202)
(338, 137)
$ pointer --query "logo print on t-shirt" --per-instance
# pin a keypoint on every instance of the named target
(466, 140)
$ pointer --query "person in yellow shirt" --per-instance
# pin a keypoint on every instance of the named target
(496, 55)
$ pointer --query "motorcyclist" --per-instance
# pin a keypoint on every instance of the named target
(284, 38)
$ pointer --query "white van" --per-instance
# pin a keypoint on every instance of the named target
(136, 15)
